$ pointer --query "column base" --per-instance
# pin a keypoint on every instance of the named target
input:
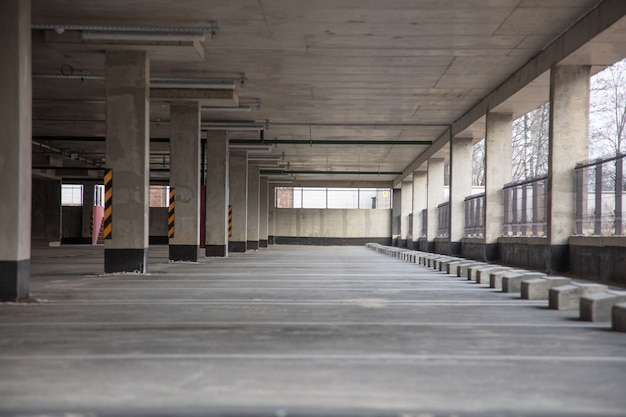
(253, 244)
(125, 260)
(216, 250)
(270, 240)
(263, 243)
(14, 280)
(183, 253)
(234, 246)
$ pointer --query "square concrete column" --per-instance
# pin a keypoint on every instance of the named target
(435, 197)
(217, 194)
(185, 180)
(87, 213)
(569, 144)
(420, 202)
(127, 77)
(15, 149)
(498, 172)
(263, 212)
(238, 192)
(271, 219)
(406, 209)
(396, 215)
(253, 206)
(460, 187)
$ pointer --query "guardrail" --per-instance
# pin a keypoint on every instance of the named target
(525, 207)
(475, 215)
(600, 197)
(443, 219)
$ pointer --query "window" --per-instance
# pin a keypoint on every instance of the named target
(159, 196)
(71, 195)
(333, 198)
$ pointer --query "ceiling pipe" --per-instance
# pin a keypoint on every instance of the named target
(329, 142)
(292, 172)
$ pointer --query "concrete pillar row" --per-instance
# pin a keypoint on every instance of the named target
(460, 187)
(435, 178)
(405, 210)
(217, 194)
(253, 206)
(185, 180)
(263, 213)
(498, 172)
(271, 222)
(569, 144)
(420, 202)
(127, 78)
(238, 195)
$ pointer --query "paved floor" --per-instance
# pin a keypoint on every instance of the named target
(295, 331)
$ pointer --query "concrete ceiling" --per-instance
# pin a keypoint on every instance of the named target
(332, 70)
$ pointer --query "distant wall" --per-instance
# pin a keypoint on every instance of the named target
(332, 226)
(46, 209)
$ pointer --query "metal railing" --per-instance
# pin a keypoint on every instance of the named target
(443, 219)
(525, 207)
(600, 197)
(424, 222)
(474, 215)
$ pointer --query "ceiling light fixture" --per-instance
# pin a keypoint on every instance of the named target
(226, 109)
(213, 29)
(142, 37)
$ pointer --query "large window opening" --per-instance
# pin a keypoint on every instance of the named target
(333, 198)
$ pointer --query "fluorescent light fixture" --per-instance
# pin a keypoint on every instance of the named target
(213, 29)
(258, 148)
(264, 157)
(142, 37)
(241, 127)
(214, 86)
(227, 109)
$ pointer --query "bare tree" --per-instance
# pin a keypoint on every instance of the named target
(608, 111)
(478, 163)
(530, 144)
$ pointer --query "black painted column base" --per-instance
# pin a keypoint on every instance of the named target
(559, 259)
(14, 280)
(271, 240)
(263, 243)
(253, 244)
(125, 260)
(216, 250)
(234, 246)
(456, 249)
(183, 253)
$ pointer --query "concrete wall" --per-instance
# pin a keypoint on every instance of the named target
(72, 224)
(598, 258)
(332, 226)
(46, 210)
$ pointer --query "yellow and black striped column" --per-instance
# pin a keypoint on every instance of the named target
(107, 220)
(171, 213)
(230, 220)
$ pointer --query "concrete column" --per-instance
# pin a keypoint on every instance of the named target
(185, 179)
(420, 202)
(127, 77)
(435, 197)
(217, 194)
(498, 171)
(406, 204)
(396, 210)
(460, 187)
(569, 144)
(87, 212)
(15, 149)
(253, 206)
(238, 192)
(271, 219)
(263, 212)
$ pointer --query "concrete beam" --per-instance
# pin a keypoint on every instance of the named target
(205, 97)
